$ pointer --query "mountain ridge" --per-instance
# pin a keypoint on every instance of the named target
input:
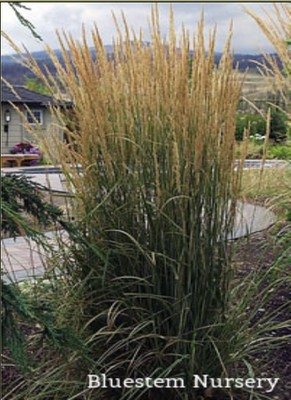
(16, 73)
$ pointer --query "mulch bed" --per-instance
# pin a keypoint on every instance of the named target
(261, 251)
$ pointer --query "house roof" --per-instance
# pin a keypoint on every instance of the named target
(25, 96)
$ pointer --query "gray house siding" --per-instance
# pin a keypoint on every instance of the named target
(16, 129)
(14, 134)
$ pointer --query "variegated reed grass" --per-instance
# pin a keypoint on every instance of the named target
(276, 27)
(155, 201)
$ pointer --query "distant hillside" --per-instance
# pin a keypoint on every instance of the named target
(15, 73)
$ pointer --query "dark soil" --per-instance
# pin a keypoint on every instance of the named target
(261, 250)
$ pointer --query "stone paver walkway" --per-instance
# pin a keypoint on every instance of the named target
(250, 219)
(50, 176)
(46, 176)
(23, 259)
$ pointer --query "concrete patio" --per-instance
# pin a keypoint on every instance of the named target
(24, 259)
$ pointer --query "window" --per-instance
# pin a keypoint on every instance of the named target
(37, 116)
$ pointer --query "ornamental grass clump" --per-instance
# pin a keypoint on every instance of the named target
(154, 134)
(276, 27)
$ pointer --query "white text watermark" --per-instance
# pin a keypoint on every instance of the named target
(198, 381)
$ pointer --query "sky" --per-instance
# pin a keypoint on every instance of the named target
(49, 17)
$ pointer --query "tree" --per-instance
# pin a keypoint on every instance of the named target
(35, 85)
(21, 199)
(278, 125)
(24, 21)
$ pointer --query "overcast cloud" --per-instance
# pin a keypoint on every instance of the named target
(49, 17)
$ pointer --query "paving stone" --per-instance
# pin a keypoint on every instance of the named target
(19, 255)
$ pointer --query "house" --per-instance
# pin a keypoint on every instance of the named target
(12, 128)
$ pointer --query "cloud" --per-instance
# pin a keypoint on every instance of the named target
(48, 17)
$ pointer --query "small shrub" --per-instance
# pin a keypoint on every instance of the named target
(257, 125)
(281, 152)
(255, 122)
